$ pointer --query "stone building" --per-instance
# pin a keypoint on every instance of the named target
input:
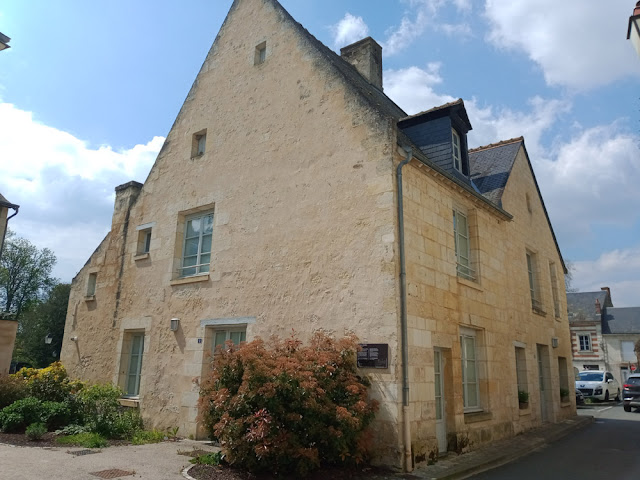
(602, 336)
(292, 193)
(8, 325)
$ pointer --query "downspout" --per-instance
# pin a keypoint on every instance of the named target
(6, 226)
(408, 464)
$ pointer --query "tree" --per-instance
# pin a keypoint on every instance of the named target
(25, 274)
(568, 277)
(43, 319)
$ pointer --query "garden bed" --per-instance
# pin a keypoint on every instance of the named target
(48, 440)
(210, 472)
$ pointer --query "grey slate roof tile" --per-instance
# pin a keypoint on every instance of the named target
(621, 320)
(491, 167)
(582, 305)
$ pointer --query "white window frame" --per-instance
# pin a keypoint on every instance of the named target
(632, 356)
(228, 331)
(534, 290)
(590, 344)
(456, 149)
(466, 360)
(200, 267)
(137, 373)
(554, 289)
(463, 258)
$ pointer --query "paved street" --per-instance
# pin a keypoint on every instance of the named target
(608, 448)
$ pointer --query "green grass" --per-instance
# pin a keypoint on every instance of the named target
(148, 436)
(87, 440)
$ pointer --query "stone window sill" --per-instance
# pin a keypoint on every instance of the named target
(204, 277)
(141, 256)
(470, 283)
(525, 411)
(474, 417)
(133, 402)
(90, 298)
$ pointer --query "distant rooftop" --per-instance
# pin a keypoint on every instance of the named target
(4, 41)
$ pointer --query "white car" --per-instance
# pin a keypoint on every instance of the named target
(598, 384)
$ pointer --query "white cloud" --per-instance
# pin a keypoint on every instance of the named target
(64, 187)
(349, 30)
(578, 43)
(578, 174)
(413, 88)
(424, 14)
(617, 269)
(594, 177)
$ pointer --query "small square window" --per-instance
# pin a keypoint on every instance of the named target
(261, 54)
(91, 284)
(584, 342)
(144, 241)
(199, 143)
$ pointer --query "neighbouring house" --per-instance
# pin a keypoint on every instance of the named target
(292, 194)
(603, 337)
(8, 324)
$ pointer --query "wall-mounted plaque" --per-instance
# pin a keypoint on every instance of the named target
(373, 355)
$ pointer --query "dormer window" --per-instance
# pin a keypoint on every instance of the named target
(457, 156)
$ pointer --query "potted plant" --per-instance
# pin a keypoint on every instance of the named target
(523, 399)
(564, 395)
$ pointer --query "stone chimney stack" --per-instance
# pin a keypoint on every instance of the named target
(598, 307)
(126, 194)
(366, 56)
(608, 302)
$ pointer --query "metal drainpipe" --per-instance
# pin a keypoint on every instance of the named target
(403, 319)
(6, 225)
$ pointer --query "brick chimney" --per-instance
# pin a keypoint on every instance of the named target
(366, 56)
(598, 307)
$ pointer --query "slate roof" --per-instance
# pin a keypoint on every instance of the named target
(491, 166)
(583, 304)
(375, 96)
(6, 203)
(461, 111)
(621, 320)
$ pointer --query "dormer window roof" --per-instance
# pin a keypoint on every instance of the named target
(441, 134)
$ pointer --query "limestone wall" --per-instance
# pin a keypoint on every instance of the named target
(496, 305)
(8, 329)
(299, 175)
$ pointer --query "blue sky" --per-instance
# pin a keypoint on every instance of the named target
(89, 90)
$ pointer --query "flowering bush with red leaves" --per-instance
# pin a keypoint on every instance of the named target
(285, 407)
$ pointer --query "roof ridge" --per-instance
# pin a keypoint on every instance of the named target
(501, 143)
(459, 101)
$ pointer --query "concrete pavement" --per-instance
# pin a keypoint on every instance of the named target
(162, 461)
(158, 461)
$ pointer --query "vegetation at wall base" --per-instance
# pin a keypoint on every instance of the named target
(86, 440)
(288, 408)
(85, 415)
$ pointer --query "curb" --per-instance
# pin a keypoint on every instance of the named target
(185, 472)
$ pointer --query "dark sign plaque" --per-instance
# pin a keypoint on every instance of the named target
(373, 355)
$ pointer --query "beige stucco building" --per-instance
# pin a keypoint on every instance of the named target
(282, 199)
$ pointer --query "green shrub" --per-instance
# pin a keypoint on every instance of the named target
(49, 384)
(99, 408)
(86, 440)
(72, 429)
(142, 437)
(289, 408)
(21, 413)
(35, 431)
(12, 388)
(56, 414)
(213, 458)
(127, 424)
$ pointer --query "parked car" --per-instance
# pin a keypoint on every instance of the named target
(579, 397)
(631, 392)
(598, 384)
